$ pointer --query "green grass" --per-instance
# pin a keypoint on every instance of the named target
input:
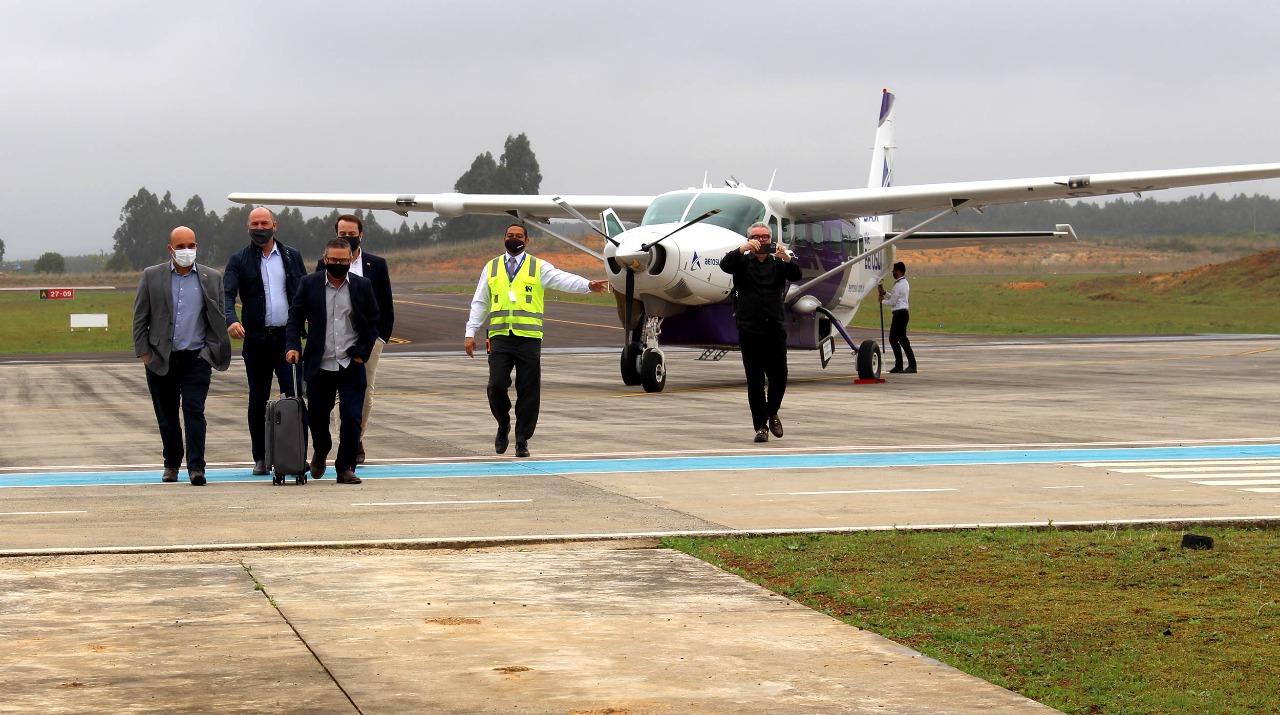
(1116, 305)
(1115, 622)
(31, 325)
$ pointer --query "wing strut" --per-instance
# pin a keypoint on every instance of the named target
(956, 205)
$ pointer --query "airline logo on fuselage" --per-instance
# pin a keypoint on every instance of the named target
(698, 262)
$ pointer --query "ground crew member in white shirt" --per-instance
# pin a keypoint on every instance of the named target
(897, 298)
(510, 294)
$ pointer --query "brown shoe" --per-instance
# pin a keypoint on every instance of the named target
(170, 474)
(317, 465)
(197, 477)
(360, 452)
(762, 435)
(348, 477)
(775, 426)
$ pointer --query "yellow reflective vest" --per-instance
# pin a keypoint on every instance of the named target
(515, 303)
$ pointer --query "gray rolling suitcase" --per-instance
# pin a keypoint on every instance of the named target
(286, 436)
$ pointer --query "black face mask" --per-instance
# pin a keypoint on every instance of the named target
(354, 241)
(514, 246)
(338, 271)
(260, 236)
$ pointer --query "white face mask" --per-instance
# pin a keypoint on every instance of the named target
(184, 257)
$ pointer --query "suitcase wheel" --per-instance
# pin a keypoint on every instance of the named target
(277, 479)
(300, 479)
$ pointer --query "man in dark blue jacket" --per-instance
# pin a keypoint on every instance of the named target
(374, 268)
(265, 276)
(340, 314)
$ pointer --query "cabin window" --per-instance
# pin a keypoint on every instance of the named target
(737, 212)
(667, 209)
(786, 231)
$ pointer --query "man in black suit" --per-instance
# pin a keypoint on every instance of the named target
(179, 334)
(265, 276)
(374, 268)
(340, 314)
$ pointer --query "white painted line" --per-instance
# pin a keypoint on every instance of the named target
(854, 491)
(33, 513)
(1214, 476)
(1180, 463)
(1240, 482)
(1263, 490)
(433, 503)
(1172, 470)
(1065, 487)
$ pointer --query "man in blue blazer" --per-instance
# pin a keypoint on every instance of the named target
(180, 336)
(339, 314)
(367, 265)
(265, 276)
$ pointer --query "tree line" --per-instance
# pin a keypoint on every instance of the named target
(147, 218)
(1193, 216)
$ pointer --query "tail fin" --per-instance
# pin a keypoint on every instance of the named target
(881, 153)
(881, 161)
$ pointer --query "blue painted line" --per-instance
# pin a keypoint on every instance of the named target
(787, 461)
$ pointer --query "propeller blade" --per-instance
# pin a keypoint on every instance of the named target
(680, 228)
(578, 215)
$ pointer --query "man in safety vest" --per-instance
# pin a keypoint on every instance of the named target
(510, 296)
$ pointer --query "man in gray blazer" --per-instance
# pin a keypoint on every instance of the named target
(180, 334)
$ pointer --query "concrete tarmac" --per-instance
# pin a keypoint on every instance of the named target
(125, 594)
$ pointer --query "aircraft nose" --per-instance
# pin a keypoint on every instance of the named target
(633, 251)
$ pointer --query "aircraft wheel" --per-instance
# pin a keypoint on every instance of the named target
(869, 362)
(631, 364)
(653, 371)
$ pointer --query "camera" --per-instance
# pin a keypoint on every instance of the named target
(769, 247)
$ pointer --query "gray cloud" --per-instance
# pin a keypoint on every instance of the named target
(210, 98)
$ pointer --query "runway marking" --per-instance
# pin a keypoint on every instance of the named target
(37, 513)
(1073, 486)
(1239, 472)
(855, 491)
(1264, 490)
(434, 503)
(757, 461)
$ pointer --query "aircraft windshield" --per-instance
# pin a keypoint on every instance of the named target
(737, 212)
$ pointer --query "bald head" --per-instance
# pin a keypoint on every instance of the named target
(262, 217)
(182, 237)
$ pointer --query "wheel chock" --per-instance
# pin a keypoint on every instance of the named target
(875, 381)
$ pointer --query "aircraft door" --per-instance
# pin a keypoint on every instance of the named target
(611, 223)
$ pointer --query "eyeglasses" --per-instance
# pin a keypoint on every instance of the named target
(760, 237)
(338, 263)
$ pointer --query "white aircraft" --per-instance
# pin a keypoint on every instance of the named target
(665, 271)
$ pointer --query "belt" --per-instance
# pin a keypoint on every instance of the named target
(274, 330)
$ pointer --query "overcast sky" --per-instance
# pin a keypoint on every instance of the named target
(102, 98)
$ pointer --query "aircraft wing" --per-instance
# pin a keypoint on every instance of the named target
(1062, 233)
(852, 203)
(629, 208)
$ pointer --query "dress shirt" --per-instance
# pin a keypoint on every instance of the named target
(273, 288)
(357, 265)
(896, 298)
(551, 277)
(188, 308)
(339, 334)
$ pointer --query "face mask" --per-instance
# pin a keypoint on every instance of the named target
(260, 236)
(184, 257)
(514, 245)
(354, 241)
(337, 271)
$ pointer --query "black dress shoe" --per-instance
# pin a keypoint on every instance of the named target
(170, 474)
(501, 439)
(360, 452)
(762, 435)
(522, 449)
(775, 426)
(317, 465)
(896, 369)
(260, 468)
(348, 477)
(910, 370)
(197, 477)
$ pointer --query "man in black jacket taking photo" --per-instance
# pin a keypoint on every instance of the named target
(760, 273)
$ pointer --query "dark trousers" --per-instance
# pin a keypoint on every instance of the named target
(764, 358)
(184, 388)
(525, 355)
(347, 385)
(263, 358)
(898, 339)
